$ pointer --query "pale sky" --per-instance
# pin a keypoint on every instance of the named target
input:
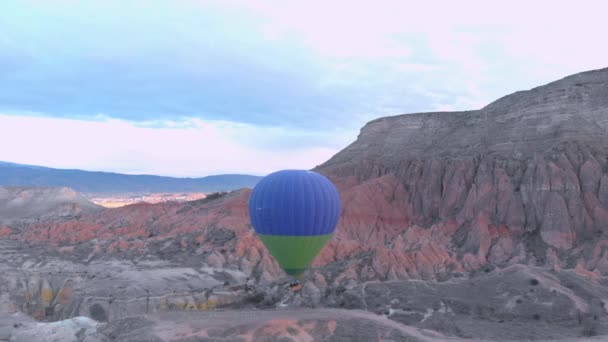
(192, 88)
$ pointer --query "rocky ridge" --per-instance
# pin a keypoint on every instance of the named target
(523, 180)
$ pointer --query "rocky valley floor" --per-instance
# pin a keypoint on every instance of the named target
(48, 297)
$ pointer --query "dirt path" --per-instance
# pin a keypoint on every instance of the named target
(226, 319)
(184, 324)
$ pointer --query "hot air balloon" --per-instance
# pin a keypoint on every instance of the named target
(294, 212)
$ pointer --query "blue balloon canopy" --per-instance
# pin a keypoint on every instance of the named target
(295, 203)
(294, 212)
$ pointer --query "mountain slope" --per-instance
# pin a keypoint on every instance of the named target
(523, 180)
(106, 182)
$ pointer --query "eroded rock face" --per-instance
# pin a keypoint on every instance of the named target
(505, 184)
(50, 288)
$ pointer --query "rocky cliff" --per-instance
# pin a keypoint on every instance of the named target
(523, 180)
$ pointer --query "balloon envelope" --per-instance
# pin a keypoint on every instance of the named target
(294, 212)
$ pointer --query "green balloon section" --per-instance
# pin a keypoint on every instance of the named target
(294, 213)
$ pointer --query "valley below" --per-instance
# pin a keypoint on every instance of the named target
(45, 293)
(120, 200)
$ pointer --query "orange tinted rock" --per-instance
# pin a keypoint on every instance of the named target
(5, 231)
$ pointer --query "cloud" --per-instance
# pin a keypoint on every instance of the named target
(281, 63)
(190, 148)
(272, 76)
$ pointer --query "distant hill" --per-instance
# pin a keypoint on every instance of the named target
(30, 204)
(12, 174)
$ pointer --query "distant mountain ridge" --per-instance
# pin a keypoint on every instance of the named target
(12, 174)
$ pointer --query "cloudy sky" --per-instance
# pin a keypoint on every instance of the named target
(192, 88)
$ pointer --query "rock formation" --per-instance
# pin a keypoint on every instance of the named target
(523, 180)
(29, 204)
